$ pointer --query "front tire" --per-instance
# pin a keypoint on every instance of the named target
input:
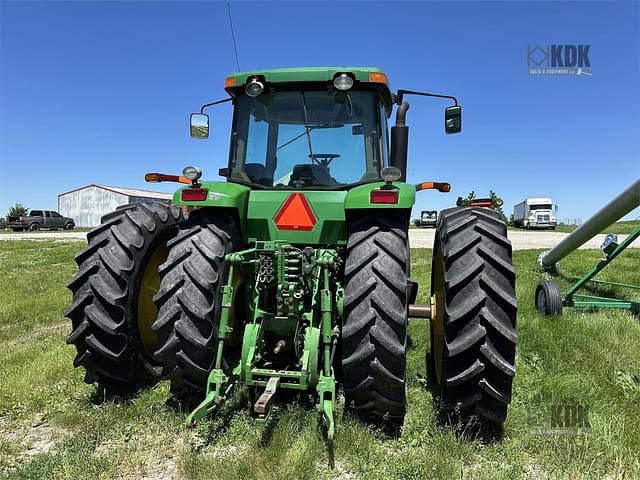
(374, 329)
(473, 334)
(189, 300)
(111, 295)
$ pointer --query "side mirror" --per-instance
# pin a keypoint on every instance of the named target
(199, 123)
(556, 208)
(453, 119)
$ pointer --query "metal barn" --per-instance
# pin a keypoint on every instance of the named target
(86, 205)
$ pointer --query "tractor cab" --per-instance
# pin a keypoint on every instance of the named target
(308, 138)
(319, 135)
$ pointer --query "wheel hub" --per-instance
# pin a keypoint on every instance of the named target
(147, 311)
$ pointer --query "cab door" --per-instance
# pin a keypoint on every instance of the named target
(57, 220)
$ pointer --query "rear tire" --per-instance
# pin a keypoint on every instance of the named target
(106, 289)
(34, 227)
(374, 329)
(473, 334)
(189, 300)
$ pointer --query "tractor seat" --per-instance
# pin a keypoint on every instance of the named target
(258, 174)
(311, 175)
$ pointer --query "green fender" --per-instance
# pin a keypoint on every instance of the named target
(256, 209)
(226, 195)
(358, 198)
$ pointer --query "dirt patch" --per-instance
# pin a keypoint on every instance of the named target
(165, 468)
(151, 456)
(31, 439)
(339, 470)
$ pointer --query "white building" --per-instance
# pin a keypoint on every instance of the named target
(86, 205)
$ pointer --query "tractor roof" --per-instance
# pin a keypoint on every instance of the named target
(315, 74)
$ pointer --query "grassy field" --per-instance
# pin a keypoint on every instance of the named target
(52, 425)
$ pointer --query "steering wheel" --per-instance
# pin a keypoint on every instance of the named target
(324, 159)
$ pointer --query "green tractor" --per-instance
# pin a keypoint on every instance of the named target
(294, 273)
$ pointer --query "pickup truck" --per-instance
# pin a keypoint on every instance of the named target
(38, 219)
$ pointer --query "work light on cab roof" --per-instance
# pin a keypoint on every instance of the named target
(343, 81)
(254, 88)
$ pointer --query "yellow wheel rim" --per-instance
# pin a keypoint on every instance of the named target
(147, 311)
(437, 321)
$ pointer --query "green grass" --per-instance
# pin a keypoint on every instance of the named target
(52, 425)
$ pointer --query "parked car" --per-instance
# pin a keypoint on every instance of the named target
(38, 219)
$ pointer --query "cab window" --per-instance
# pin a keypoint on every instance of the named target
(308, 138)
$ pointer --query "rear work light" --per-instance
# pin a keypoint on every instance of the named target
(194, 194)
(384, 196)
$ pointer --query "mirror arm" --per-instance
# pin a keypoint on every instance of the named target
(214, 103)
(401, 93)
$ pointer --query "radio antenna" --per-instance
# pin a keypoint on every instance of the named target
(233, 36)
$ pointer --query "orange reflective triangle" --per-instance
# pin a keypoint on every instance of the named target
(295, 214)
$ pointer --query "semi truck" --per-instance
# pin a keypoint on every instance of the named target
(428, 218)
(536, 212)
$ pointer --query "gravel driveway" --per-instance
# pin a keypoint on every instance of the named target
(520, 239)
(419, 238)
(54, 235)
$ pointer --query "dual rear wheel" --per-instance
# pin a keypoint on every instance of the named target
(145, 298)
(471, 362)
(112, 296)
(146, 304)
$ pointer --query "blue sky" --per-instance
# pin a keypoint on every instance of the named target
(100, 92)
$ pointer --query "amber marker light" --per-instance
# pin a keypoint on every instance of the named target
(440, 186)
(378, 77)
(161, 177)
